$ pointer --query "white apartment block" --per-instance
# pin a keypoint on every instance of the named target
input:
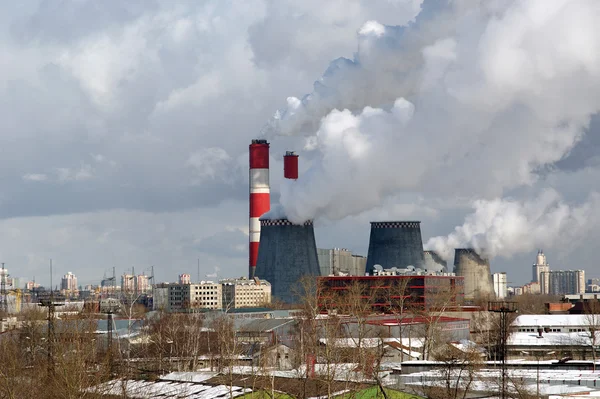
(68, 283)
(500, 287)
(206, 295)
(244, 293)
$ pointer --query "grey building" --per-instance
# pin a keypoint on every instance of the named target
(336, 260)
(561, 282)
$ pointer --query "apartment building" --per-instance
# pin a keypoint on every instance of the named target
(563, 282)
(185, 297)
(245, 293)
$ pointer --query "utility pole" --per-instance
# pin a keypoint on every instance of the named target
(503, 308)
(51, 303)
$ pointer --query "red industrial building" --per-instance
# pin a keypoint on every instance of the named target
(390, 293)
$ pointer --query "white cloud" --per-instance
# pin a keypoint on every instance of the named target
(35, 177)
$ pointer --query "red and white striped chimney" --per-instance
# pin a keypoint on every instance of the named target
(260, 196)
(290, 165)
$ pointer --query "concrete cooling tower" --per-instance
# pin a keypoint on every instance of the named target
(287, 252)
(475, 270)
(395, 244)
(433, 262)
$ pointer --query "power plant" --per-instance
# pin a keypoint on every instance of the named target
(395, 244)
(476, 271)
(282, 252)
(287, 253)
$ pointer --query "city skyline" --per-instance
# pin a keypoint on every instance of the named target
(127, 141)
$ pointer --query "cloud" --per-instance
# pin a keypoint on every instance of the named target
(35, 177)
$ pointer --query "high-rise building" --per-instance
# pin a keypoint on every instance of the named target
(135, 283)
(563, 282)
(338, 261)
(500, 287)
(540, 266)
(244, 293)
(68, 284)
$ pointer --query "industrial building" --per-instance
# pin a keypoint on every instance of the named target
(395, 244)
(434, 262)
(476, 272)
(287, 253)
(336, 261)
(390, 293)
(244, 293)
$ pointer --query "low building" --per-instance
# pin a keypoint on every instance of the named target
(245, 293)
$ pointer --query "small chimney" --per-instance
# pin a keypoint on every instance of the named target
(290, 165)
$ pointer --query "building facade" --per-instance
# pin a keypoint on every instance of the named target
(389, 293)
(539, 266)
(245, 293)
(340, 261)
(187, 297)
(500, 285)
(68, 283)
(563, 282)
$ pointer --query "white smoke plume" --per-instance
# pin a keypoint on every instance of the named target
(506, 227)
(474, 98)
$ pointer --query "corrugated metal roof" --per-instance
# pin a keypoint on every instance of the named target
(265, 325)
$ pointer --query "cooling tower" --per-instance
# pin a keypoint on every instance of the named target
(287, 252)
(434, 262)
(395, 244)
(475, 270)
(260, 196)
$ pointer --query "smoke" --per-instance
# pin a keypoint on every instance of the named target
(507, 227)
(472, 99)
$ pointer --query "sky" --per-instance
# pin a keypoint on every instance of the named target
(125, 129)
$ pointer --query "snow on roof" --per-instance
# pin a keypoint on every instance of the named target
(551, 339)
(545, 320)
(188, 376)
(165, 389)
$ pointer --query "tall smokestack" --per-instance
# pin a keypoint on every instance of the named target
(395, 244)
(287, 252)
(290, 165)
(476, 271)
(260, 196)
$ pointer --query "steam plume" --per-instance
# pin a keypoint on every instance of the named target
(507, 227)
(472, 98)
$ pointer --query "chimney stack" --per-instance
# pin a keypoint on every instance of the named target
(290, 165)
(260, 196)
